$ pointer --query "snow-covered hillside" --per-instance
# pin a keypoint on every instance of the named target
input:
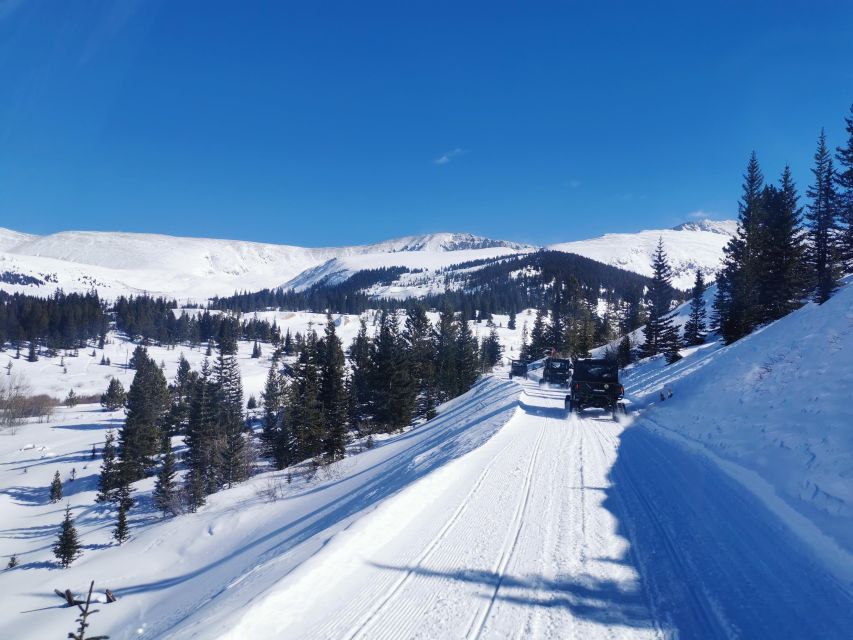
(689, 246)
(198, 268)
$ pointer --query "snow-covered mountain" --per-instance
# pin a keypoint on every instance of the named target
(198, 268)
(690, 246)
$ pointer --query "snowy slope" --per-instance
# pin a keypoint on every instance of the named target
(689, 246)
(197, 268)
(778, 405)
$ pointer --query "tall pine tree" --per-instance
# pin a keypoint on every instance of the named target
(657, 329)
(844, 179)
(821, 215)
(694, 328)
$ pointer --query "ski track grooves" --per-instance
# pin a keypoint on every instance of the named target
(428, 551)
(480, 619)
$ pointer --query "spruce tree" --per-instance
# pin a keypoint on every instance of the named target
(201, 455)
(490, 349)
(122, 530)
(33, 355)
(419, 341)
(114, 397)
(108, 479)
(390, 377)
(538, 338)
(660, 299)
(694, 328)
(783, 277)
(822, 224)
(56, 488)
(468, 356)
(511, 321)
(147, 404)
(447, 368)
(165, 489)
(670, 340)
(360, 398)
(229, 413)
(736, 309)
(844, 179)
(67, 546)
(332, 393)
(256, 350)
(273, 402)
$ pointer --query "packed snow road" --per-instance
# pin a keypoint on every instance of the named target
(561, 528)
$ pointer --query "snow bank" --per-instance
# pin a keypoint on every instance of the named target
(778, 404)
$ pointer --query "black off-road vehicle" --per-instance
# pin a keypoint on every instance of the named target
(518, 369)
(556, 371)
(595, 383)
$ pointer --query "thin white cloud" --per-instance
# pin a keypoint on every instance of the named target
(444, 158)
(699, 214)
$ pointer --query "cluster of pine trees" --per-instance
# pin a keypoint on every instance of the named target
(148, 319)
(60, 321)
(779, 257)
(394, 378)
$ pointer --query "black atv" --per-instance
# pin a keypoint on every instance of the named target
(518, 369)
(556, 371)
(595, 383)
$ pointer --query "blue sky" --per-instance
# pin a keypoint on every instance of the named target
(321, 123)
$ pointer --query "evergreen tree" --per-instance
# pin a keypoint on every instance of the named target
(524, 348)
(304, 411)
(511, 321)
(390, 378)
(468, 357)
(201, 454)
(142, 434)
(736, 303)
(844, 179)
(114, 397)
(490, 349)
(332, 393)
(670, 340)
(538, 338)
(623, 351)
(165, 489)
(783, 277)
(256, 350)
(56, 488)
(122, 530)
(229, 415)
(821, 216)
(108, 479)
(180, 392)
(67, 547)
(660, 298)
(419, 341)
(272, 398)
(33, 355)
(694, 328)
(447, 369)
(360, 408)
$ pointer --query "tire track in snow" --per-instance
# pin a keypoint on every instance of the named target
(358, 630)
(479, 620)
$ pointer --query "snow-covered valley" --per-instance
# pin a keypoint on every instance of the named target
(723, 511)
